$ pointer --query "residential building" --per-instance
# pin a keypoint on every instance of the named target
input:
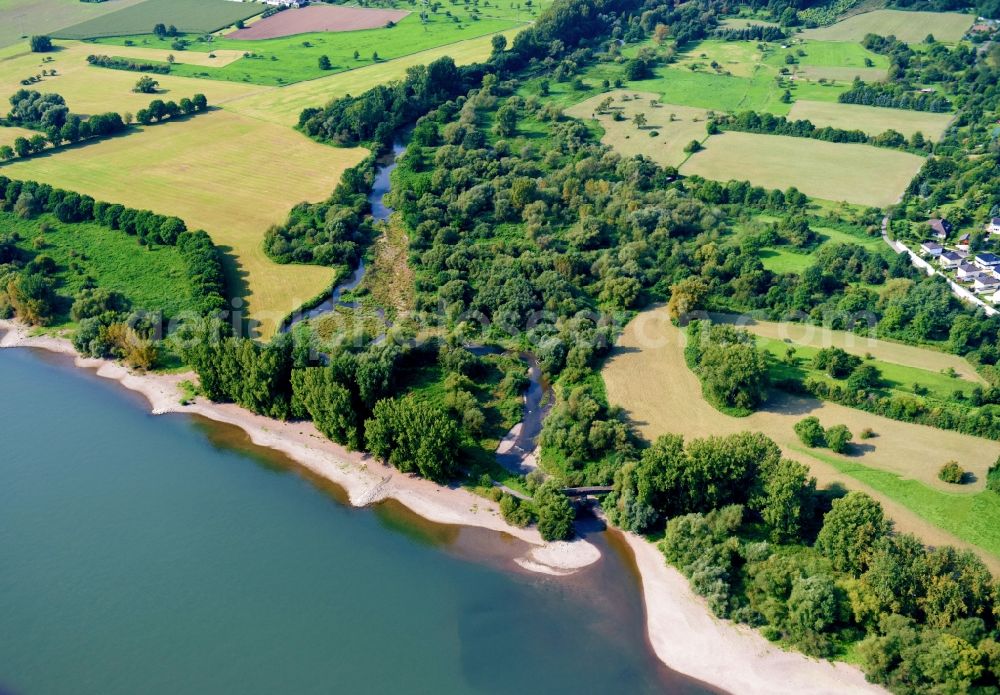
(940, 229)
(967, 272)
(931, 248)
(986, 261)
(986, 283)
(963, 243)
(994, 226)
(950, 259)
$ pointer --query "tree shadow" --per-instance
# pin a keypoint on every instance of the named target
(237, 287)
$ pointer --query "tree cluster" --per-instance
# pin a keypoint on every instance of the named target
(117, 63)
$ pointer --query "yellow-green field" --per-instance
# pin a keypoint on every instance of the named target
(28, 17)
(9, 133)
(648, 377)
(284, 104)
(230, 175)
(676, 125)
(911, 27)
(834, 171)
(90, 90)
(871, 119)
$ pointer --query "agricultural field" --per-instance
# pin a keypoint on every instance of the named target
(899, 466)
(220, 172)
(833, 171)
(10, 133)
(318, 18)
(153, 278)
(22, 18)
(290, 59)
(195, 16)
(89, 90)
(911, 27)
(668, 128)
(871, 119)
(284, 105)
(785, 259)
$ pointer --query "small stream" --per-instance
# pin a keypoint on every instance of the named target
(516, 450)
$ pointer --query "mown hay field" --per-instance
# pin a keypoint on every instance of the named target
(221, 172)
(907, 26)
(871, 119)
(195, 16)
(674, 126)
(90, 90)
(648, 377)
(10, 133)
(20, 18)
(833, 171)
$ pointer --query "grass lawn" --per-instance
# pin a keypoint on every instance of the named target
(221, 172)
(911, 27)
(667, 148)
(199, 16)
(152, 278)
(896, 377)
(291, 59)
(20, 18)
(833, 171)
(974, 518)
(786, 259)
(284, 105)
(871, 119)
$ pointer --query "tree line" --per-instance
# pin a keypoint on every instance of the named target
(893, 96)
(116, 63)
(766, 123)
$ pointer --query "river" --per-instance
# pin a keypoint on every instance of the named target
(165, 554)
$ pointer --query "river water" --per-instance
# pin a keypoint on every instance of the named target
(163, 554)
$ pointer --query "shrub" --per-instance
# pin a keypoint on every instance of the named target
(952, 473)
(837, 438)
(40, 44)
(866, 433)
(810, 432)
(993, 477)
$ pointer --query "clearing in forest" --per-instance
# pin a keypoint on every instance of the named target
(220, 172)
(648, 377)
(662, 135)
(317, 18)
(860, 174)
(871, 119)
(194, 16)
(911, 27)
(784, 258)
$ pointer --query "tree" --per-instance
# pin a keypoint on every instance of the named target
(810, 432)
(324, 63)
(814, 606)
(40, 44)
(146, 85)
(498, 44)
(952, 473)
(660, 33)
(692, 147)
(734, 375)
(6, 153)
(555, 512)
(160, 30)
(200, 102)
(784, 498)
(865, 377)
(851, 531)
(686, 296)
(506, 120)
(328, 403)
(415, 437)
(639, 120)
(22, 147)
(837, 438)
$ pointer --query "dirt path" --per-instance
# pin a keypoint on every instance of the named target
(667, 398)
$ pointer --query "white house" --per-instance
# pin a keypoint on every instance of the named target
(931, 248)
(986, 283)
(994, 226)
(986, 261)
(996, 297)
(950, 259)
(967, 272)
(963, 243)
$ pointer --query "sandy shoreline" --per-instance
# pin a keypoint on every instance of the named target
(683, 633)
